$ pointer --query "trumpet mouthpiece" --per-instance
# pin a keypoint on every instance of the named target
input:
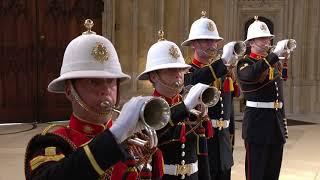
(106, 105)
(178, 83)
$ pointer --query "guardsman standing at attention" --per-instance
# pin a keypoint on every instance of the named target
(264, 125)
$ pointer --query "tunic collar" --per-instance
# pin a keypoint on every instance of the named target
(87, 128)
(197, 63)
(256, 56)
(171, 101)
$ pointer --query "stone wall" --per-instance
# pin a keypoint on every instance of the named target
(132, 26)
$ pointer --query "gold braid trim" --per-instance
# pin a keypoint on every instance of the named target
(216, 82)
(39, 160)
(271, 69)
(92, 160)
(212, 71)
(52, 126)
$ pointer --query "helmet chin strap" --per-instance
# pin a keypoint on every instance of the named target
(86, 107)
(177, 86)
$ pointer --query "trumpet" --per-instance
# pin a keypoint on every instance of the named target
(208, 98)
(290, 46)
(154, 113)
(239, 49)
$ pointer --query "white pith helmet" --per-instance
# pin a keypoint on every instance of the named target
(258, 29)
(88, 56)
(163, 55)
(203, 28)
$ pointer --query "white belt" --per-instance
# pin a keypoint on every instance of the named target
(270, 105)
(218, 123)
(178, 169)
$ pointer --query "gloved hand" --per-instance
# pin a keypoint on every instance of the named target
(128, 121)
(193, 97)
(280, 48)
(152, 134)
(227, 54)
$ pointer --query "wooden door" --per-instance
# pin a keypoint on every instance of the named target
(33, 41)
(17, 56)
(59, 22)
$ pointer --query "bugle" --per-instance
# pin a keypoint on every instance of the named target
(209, 97)
(239, 49)
(290, 46)
(154, 113)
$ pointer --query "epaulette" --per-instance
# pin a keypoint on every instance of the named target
(46, 147)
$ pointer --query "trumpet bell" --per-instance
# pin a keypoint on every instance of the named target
(155, 113)
(291, 44)
(210, 96)
(239, 48)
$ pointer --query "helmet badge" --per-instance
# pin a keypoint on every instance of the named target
(100, 53)
(173, 51)
(210, 26)
(263, 27)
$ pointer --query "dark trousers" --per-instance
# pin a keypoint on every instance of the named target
(222, 175)
(263, 161)
(214, 152)
(191, 177)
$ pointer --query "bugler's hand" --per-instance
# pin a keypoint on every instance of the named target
(194, 95)
(227, 54)
(280, 48)
(127, 123)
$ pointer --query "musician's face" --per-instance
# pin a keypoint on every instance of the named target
(171, 76)
(165, 78)
(205, 48)
(260, 45)
(93, 91)
(206, 44)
